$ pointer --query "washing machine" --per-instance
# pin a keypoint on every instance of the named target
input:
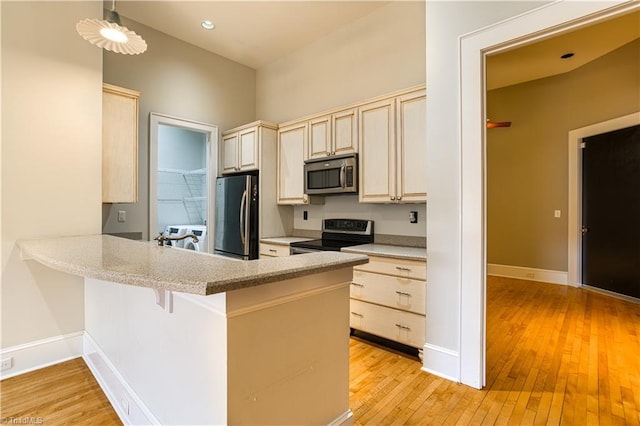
(199, 231)
(176, 231)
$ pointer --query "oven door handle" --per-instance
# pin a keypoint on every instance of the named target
(300, 250)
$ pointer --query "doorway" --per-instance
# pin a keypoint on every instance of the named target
(182, 171)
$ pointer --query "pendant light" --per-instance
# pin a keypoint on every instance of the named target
(111, 35)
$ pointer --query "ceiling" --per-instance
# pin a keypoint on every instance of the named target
(542, 59)
(256, 33)
(253, 33)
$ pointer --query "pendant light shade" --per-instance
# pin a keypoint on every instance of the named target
(111, 35)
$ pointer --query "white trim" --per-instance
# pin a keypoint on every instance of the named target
(442, 362)
(525, 273)
(556, 18)
(42, 353)
(211, 132)
(344, 419)
(575, 187)
(126, 403)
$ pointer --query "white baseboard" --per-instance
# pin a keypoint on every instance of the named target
(126, 403)
(532, 274)
(41, 353)
(441, 362)
(345, 419)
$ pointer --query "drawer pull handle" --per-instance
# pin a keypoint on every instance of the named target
(401, 293)
(403, 327)
(402, 268)
(357, 285)
(357, 314)
(273, 250)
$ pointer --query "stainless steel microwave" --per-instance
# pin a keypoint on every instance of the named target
(332, 175)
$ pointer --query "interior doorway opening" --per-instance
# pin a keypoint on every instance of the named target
(182, 171)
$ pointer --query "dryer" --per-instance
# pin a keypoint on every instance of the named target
(199, 231)
(176, 231)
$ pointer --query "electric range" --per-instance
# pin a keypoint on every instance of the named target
(337, 233)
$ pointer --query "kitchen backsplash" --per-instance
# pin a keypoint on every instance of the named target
(391, 220)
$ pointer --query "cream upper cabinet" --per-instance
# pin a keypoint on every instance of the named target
(119, 144)
(411, 148)
(333, 134)
(292, 153)
(240, 150)
(392, 147)
(377, 152)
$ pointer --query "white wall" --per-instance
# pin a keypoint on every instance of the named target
(179, 80)
(445, 23)
(380, 53)
(51, 160)
(389, 219)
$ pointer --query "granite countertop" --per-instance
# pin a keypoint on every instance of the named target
(399, 252)
(146, 264)
(283, 241)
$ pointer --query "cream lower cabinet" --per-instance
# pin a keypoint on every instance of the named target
(273, 250)
(388, 298)
(292, 153)
(119, 144)
(392, 147)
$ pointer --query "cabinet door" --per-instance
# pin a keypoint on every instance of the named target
(344, 125)
(377, 152)
(248, 149)
(229, 153)
(411, 146)
(320, 137)
(119, 145)
(292, 152)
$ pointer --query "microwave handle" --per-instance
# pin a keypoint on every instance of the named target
(343, 176)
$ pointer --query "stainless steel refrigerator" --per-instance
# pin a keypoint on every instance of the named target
(236, 220)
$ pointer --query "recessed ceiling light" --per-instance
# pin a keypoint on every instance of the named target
(207, 25)
(567, 55)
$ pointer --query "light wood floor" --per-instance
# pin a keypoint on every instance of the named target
(555, 355)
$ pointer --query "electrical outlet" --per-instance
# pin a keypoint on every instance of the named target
(122, 216)
(305, 215)
(557, 213)
(413, 217)
(7, 363)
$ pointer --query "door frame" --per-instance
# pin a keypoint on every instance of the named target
(211, 133)
(544, 22)
(574, 209)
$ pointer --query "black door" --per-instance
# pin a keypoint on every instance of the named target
(611, 211)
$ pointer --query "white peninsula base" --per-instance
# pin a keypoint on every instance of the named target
(276, 353)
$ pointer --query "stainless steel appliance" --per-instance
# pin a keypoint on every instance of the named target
(236, 220)
(337, 233)
(333, 175)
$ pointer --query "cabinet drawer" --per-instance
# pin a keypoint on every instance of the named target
(400, 326)
(400, 267)
(273, 250)
(395, 292)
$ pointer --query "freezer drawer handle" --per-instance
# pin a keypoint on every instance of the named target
(403, 327)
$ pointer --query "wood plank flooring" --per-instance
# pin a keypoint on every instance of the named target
(555, 355)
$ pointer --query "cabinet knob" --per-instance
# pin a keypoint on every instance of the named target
(393, 198)
(399, 197)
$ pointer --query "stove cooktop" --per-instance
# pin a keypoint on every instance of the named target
(338, 233)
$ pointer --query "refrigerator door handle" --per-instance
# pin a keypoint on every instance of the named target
(243, 207)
